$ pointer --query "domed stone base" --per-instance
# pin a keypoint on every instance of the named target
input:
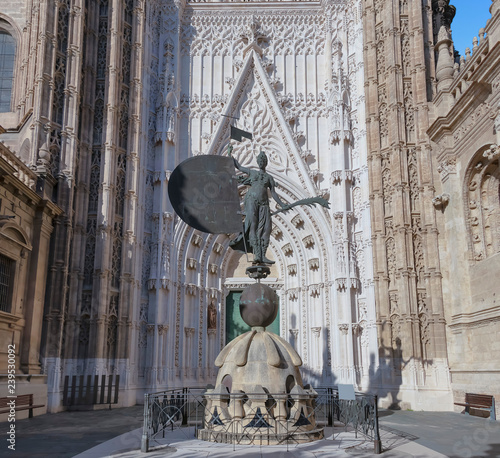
(259, 397)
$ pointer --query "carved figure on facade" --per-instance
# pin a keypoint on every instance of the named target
(441, 201)
(483, 210)
(211, 316)
(496, 125)
(444, 13)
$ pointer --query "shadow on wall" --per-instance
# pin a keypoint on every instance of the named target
(315, 377)
(385, 380)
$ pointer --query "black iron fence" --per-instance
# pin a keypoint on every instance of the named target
(90, 390)
(185, 410)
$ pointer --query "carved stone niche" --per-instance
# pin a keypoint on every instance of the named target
(191, 289)
(293, 294)
(341, 284)
(162, 329)
(212, 293)
(191, 263)
(297, 221)
(213, 269)
(287, 249)
(277, 233)
(313, 264)
(315, 290)
(336, 176)
(292, 269)
(357, 329)
(196, 240)
(344, 328)
(316, 331)
(171, 136)
(335, 136)
(217, 248)
(308, 241)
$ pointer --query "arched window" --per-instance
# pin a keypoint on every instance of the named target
(483, 203)
(7, 55)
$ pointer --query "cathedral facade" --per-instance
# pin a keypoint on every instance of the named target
(362, 102)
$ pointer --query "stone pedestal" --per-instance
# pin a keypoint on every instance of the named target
(259, 397)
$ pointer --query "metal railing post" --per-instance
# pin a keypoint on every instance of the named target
(145, 426)
(185, 406)
(376, 442)
(329, 398)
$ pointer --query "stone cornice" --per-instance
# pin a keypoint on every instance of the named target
(475, 94)
(250, 8)
(475, 319)
(476, 75)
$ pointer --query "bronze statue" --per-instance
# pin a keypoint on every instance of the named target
(258, 224)
(203, 192)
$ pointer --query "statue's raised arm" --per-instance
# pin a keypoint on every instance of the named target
(240, 167)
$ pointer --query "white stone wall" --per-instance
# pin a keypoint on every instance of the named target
(293, 76)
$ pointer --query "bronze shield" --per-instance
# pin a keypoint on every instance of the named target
(204, 193)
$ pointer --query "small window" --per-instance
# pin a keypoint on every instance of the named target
(7, 55)
(6, 283)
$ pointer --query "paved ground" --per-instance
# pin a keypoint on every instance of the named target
(67, 434)
(117, 433)
(452, 434)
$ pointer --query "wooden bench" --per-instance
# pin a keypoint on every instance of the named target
(23, 402)
(479, 401)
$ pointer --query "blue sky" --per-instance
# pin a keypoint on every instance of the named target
(471, 16)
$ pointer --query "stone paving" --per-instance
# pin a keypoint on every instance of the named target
(117, 433)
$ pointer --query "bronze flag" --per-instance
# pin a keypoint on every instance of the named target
(238, 134)
(204, 193)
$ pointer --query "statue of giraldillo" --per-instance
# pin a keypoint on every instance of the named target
(258, 225)
(204, 193)
(257, 229)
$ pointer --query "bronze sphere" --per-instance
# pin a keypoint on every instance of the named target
(258, 305)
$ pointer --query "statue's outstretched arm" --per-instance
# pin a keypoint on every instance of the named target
(240, 167)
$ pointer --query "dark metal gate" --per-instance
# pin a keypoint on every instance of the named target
(90, 390)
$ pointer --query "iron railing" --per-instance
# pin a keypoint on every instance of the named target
(90, 390)
(185, 410)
